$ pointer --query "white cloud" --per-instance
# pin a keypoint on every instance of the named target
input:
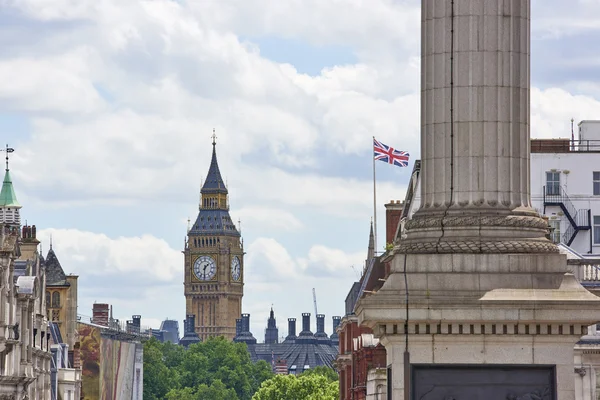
(552, 110)
(254, 218)
(120, 99)
(96, 254)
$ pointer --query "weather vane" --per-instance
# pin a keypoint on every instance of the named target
(214, 137)
(8, 150)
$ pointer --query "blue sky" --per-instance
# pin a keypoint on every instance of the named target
(110, 107)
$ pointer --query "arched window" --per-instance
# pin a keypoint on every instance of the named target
(55, 300)
(47, 299)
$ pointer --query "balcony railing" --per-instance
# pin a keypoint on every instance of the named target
(587, 271)
(564, 146)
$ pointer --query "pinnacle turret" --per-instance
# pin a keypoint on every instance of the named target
(8, 198)
(9, 206)
(371, 251)
(214, 182)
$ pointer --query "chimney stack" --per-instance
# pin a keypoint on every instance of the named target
(238, 326)
(336, 323)
(306, 325)
(245, 323)
(190, 324)
(100, 314)
(393, 214)
(320, 323)
(291, 329)
(321, 335)
(245, 335)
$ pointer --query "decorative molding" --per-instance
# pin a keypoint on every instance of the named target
(516, 221)
(507, 246)
(479, 328)
(580, 371)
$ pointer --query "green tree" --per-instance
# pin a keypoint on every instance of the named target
(214, 369)
(158, 378)
(327, 372)
(216, 391)
(304, 387)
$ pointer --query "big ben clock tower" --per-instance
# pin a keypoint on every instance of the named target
(214, 261)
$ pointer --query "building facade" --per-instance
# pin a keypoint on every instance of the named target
(24, 338)
(61, 298)
(361, 363)
(565, 187)
(111, 356)
(214, 261)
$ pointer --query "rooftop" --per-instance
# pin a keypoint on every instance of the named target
(564, 146)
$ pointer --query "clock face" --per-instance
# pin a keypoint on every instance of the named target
(205, 268)
(236, 269)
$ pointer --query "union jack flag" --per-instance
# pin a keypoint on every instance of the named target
(389, 154)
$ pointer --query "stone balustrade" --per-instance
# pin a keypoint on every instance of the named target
(587, 271)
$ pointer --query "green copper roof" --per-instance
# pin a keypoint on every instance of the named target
(7, 195)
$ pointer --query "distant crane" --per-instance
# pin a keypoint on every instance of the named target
(315, 301)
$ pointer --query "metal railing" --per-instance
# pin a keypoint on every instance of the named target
(579, 219)
(564, 146)
(116, 325)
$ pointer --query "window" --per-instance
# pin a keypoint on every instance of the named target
(55, 300)
(553, 183)
(47, 299)
(596, 229)
(555, 230)
(596, 183)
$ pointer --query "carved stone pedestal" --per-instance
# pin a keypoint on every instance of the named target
(457, 320)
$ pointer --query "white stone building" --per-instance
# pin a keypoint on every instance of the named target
(24, 336)
(565, 186)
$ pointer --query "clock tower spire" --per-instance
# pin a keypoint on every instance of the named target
(214, 254)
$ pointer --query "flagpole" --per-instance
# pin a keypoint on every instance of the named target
(374, 204)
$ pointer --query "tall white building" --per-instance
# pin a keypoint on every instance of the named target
(565, 186)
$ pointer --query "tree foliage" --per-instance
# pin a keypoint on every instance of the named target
(327, 372)
(312, 386)
(215, 369)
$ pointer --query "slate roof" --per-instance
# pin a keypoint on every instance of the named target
(296, 354)
(214, 222)
(214, 182)
(8, 198)
(55, 275)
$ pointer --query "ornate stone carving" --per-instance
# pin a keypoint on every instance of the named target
(580, 371)
(473, 247)
(7, 396)
(476, 220)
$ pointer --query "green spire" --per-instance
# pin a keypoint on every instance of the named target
(8, 198)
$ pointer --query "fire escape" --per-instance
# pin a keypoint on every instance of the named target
(579, 220)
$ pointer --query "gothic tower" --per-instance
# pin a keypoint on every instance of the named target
(214, 261)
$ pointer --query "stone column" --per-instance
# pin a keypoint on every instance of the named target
(475, 77)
